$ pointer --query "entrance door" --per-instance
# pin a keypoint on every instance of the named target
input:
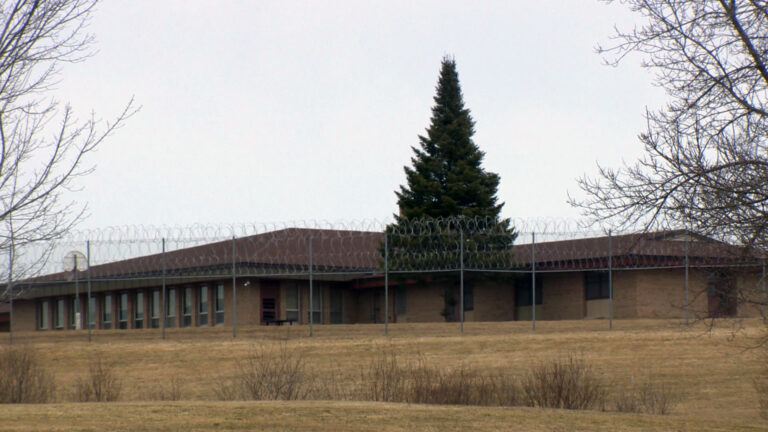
(270, 300)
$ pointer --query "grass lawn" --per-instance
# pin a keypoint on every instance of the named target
(711, 369)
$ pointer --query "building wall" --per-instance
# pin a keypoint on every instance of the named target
(637, 293)
(248, 303)
(351, 310)
(424, 303)
(494, 301)
(562, 297)
(25, 315)
(371, 306)
(751, 295)
(625, 294)
(661, 293)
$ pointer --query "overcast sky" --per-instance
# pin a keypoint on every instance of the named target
(267, 111)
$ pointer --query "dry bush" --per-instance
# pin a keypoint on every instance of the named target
(761, 386)
(388, 379)
(100, 384)
(22, 378)
(627, 401)
(385, 380)
(658, 398)
(651, 397)
(171, 390)
(568, 383)
(267, 374)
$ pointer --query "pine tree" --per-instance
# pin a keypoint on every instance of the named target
(447, 179)
(447, 183)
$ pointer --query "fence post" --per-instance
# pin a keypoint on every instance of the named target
(765, 303)
(386, 285)
(11, 252)
(687, 301)
(610, 281)
(164, 309)
(234, 289)
(461, 277)
(311, 302)
(533, 280)
(88, 306)
(76, 312)
(10, 289)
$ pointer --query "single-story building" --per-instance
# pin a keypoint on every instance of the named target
(266, 278)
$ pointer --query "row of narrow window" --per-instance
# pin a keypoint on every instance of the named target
(140, 318)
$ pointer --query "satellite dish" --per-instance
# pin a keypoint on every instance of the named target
(75, 259)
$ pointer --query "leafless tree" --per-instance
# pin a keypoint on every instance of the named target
(44, 148)
(706, 163)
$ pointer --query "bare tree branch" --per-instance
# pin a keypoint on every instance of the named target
(44, 149)
(706, 153)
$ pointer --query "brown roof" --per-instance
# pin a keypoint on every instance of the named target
(337, 251)
(640, 250)
(332, 250)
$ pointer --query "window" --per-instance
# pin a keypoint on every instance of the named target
(58, 314)
(292, 301)
(186, 309)
(106, 312)
(154, 309)
(122, 311)
(469, 296)
(92, 312)
(317, 304)
(170, 308)
(220, 304)
(523, 291)
(337, 305)
(596, 286)
(400, 301)
(138, 311)
(74, 313)
(42, 315)
(202, 306)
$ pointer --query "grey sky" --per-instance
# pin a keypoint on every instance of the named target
(298, 110)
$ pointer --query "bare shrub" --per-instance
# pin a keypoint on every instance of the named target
(384, 380)
(170, 390)
(100, 384)
(627, 401)
(658, 398)
(228, 390)
(269, 375)
(652, 397)
(22, 378)
(390, 380)
(761, 386)
(568, 383)
(760, 383)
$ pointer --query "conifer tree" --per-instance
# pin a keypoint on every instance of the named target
(447, 179)
(448, 194)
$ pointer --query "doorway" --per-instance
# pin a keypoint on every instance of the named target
(270, 301)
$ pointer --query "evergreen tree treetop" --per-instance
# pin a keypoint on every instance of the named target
(448, 206)
(446, 178)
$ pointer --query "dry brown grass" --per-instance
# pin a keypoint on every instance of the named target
(711, 369)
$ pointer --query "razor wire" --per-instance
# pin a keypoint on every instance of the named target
(355, 249)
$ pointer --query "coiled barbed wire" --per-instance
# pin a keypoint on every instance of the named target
(357, 247)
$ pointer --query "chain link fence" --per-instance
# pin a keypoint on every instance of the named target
(377, 253)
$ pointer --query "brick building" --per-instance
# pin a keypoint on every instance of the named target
(638, 276)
